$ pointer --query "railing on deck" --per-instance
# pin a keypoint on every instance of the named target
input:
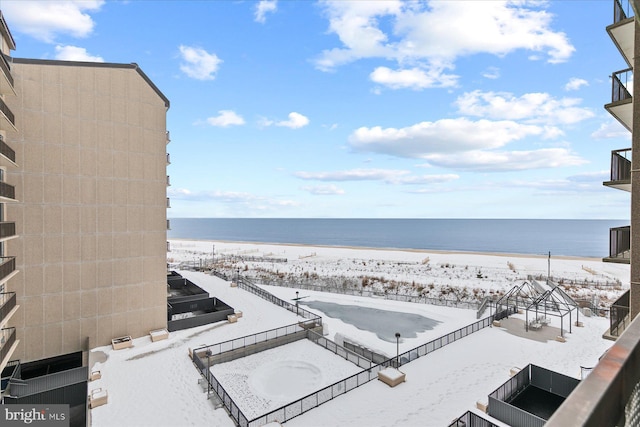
(619, 315)
(621, 165)
(621, 10)
(620, 81)
(620, 242)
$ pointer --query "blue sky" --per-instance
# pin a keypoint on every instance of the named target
(424, 109)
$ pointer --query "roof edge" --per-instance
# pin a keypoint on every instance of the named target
(132, 65)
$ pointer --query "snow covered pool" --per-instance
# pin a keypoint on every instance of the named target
(383, 323)
(265, 381)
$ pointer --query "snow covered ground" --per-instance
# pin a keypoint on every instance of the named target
(156, 384)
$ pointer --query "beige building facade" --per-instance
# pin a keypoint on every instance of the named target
(89, 207)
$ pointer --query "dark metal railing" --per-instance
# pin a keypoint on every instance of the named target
(7, 112)
(620, 80)
(168, 159)
(621, 165)
(7, 151)
(621, 11)
(619, 315)
(7, 229)
(620, 242)
(8, 303)
(7, 338)
(6, 68)
(7, 266)
(7, 191)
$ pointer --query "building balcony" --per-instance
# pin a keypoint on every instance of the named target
(168, 181)
(168, 202)
(168, 137)
(7, 345)
(168, 159)
(7, 306)
(621, 105)
(7, 119)
(7, 192)
(7, 230)
(619, 317)
(7, 151)
(620, 170)
(619, 245)
(622, 29)
(7, 267)
(6, 79)
(168, 224)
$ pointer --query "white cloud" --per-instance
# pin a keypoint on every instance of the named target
(226, 118)
(389, 176)
(198, 63)
(44, 20)
(530, 107)
(263, 7)
(324, 190)
(611, 129)
(75, 53)
(442, 136)
(491, 73)
(434, 34)
(231, 198)
(296, 121)
(500, 161)
(413, 78)
(575, 83)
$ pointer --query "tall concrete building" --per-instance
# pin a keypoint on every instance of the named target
(83, 203)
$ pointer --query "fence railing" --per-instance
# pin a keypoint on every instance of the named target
(619, 314)
(249, 286)
(202, 357)
(238, 343)
(7, 266)
(7, 303)
(7, 151)
(7, 112)
(621, 165)
(619, 242)
(621, 11)
(471, 305)
(469, 419)
(620, 81)
(343, 352)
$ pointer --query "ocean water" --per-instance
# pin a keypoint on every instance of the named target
(583, 238)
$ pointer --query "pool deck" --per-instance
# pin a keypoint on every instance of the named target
(516, 326)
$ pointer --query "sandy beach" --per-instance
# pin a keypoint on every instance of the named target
(462, 276)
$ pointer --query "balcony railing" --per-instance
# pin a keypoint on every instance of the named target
(620, 244)
(620, 81)
(6, 68)
(168, 224)
(7, 229)
(7, 112)
(7, 303)
(168, 202)
(621, 10)
(619, 315)
(7, 191)
(7, 266)
(168, 159)
(7, 151)
(621, 165)
(7, 338)
(168, 181)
